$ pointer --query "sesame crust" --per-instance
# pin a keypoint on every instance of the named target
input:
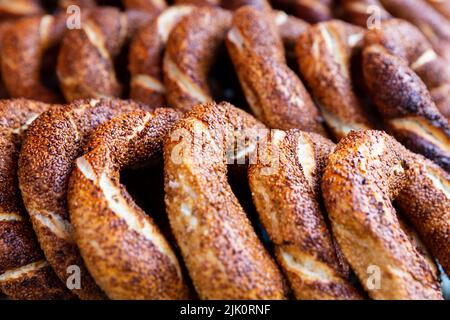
(53, 143)
(407, 42)
(365, 173)
(130, 260)
(429, 21)
(85, 64)
(146, 55)
(190, 52)
(359, 12)
(405, 104)
(276, 95)
(23, 47)
(311, 11)
(18, 245)
(287, 200)
(323, 54)
(223, 255)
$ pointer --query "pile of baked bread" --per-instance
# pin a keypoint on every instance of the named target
(303, 149)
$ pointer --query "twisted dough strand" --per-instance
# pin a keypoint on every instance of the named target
(223, 255)
(365, 173)
(403, 100)
(53, 143)
(286, 192)
(324, 54)
(24, 272)
(132, 261)
(275, 94)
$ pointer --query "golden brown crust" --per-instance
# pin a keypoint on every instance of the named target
(401, 97)
(324, 53)
(285, 185)
(23, 47)
(311, 11)
(24, 272)
(192, 46)
(20, 8)
(275, 93)
(364, 13)
(131, 260)
(85, 64)
(404, 40)
(223, 255)
(146, 54)
(364, 174)
(443, 7)
(52, 144)
(435, 26)
(425, 201)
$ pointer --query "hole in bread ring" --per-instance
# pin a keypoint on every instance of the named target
(122, 247)
(366, 172)
(24, 272)
(53, 143)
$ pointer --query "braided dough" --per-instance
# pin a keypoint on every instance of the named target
(401, 97)
(223, 255)
(53, 143)
(359, 12)
(275, 93)
(24, 272)
(365, 173)
(286, 191)
(132, 260)
(324, 54)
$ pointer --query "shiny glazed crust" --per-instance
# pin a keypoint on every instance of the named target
(324, 54)
(311, 11)
(275, 93)
(285, 189)
(53, 143)
(24, 272)
(365, 173)
(222, 252)
(131, 260)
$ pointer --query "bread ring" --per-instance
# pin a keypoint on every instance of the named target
(222, 253)
(24, 272)
(85, 63)
(19, 8)
(65, 4)
(285, 191)
(366, 171)
(23, 47)
(53, 143)
(228, 4)
(310, 10)
(190, 52)
(324, 54)
(404, 40)
(404, 101)
(275, 94)
(359, 12)
(442, 6)
(132, 260)
(146, 52)
(435, 26)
